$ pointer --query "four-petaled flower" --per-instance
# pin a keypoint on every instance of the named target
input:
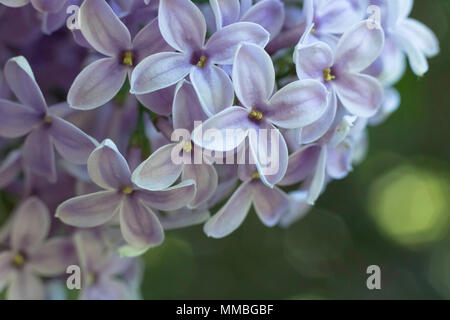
(139, 224)
(43, 126)
(298, 104)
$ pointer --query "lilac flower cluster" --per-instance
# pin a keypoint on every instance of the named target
(297, 82)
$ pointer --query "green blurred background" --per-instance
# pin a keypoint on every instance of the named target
(392, 211)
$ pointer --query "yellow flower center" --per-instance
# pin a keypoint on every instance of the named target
(313, 31)
(255, 114)
(327, 76)
(202, 62)
(128, 58)
(18, 260)
(188, 147)
(127, 190)
(90, 279)
(256, 176)
(48, 120)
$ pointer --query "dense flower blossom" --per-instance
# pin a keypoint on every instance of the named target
(288, 89)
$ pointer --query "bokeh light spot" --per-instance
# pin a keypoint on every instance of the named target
(410, 205)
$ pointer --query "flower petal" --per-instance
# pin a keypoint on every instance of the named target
(172, 198)
(417, 59)
(53, 257)
(225, 131)
(183, 218)
(206, 180)
(158, 171)
(52, 22)
(359, 47)
(159, 101)
(393, 63)
(159, 71)
(222, 45)
(102, 29)
(16, 120)
(339, 162)
(39, 154)
(319, 128)
(149, 41)
(225, 11)
(267, 13)
(336, 17)
(26, 286)
(14, 3)
(48, 5)
(253, 75)
(270, 204)
(317, 182)
(108, 168)
(90, 210)
(187, 107)
(97, 84)
(214, 88)
(298, 208)
(312, 59)
(360, 94)
(230, 216)
(21, 81)
(301, 165)
(419, 34)
(182, 24)
(71, 143)
(139, 225)
(108, 289)
(270, 153)
(10, 168)
(298, 104)
(31, 224)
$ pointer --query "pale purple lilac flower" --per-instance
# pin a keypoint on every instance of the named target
(99, 82)
(160, 170)
(341, 70)
(297, 105)
(30, 255)
(329, 158)
(183, 26)
(42, 125)
(404, 36)
(270, 204)
(135, 206)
